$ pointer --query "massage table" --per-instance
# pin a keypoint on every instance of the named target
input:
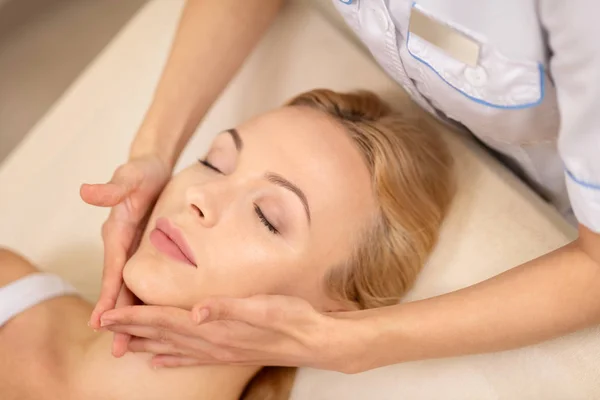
(495, 223)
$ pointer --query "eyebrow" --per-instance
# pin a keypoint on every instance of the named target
(273, 177)
(239, 144)
(284, 183)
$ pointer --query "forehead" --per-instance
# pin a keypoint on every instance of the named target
(315, 152)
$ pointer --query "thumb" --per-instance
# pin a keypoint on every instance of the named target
(104, 194)
(125, 180)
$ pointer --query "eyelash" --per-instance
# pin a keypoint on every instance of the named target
(210, 166)
(264, 220)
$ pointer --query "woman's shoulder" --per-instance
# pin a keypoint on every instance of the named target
(34, 335)
(13, 267)
(24, 289)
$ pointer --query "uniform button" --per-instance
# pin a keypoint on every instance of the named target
(415, 47)
(374, 20)
(381, 18)
(476, 76)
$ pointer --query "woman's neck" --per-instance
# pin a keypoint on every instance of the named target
(100, 375)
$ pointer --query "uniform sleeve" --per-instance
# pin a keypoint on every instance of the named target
(573, 29)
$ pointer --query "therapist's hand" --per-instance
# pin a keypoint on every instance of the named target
(131, 194)
(260, 330)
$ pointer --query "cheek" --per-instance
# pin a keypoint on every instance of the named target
(246, 271)
(244, 266)
(244, 262)
(307, 278)
(173, 197)
(304, 284)
(279, 274)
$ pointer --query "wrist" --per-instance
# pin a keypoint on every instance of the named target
(589, 242)
(362, 342)
(384, 336)
(165, 130)
(151, 142)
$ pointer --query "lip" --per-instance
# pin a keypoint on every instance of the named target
(168, 232)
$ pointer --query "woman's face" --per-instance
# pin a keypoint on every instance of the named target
(277, 203)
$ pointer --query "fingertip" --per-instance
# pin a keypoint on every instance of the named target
(206, 303)
(118, 351)
(200, 315)
(90, 194)
(102, 194)
(84, 192)
(156, 362)
(198, 306)
(164, 361)
(94, 321)
(115, 351)
(118, 354)
(120, 344)
(102, 306)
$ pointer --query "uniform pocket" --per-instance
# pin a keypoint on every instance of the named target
(496, 81)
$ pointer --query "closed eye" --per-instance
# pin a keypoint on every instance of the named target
(264, 220)
(210, 166)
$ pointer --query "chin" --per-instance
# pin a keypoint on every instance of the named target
(151, 280)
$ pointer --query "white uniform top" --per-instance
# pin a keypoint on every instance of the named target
(522, 75)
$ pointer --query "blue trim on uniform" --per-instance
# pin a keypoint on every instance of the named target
(582, 183)
(346, 1)
(485, 103)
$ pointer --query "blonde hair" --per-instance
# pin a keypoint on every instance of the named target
(411, 171)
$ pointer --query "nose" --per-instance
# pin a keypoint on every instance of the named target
(207, 202)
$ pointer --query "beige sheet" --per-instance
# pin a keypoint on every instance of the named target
(495, 223)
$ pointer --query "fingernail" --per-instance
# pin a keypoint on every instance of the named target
(106, 322)
(201, 315)
(89, 324)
